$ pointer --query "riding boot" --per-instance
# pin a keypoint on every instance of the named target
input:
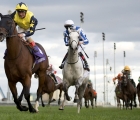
(63, 61)
(36, 52)
(85, 62)
(54, 78)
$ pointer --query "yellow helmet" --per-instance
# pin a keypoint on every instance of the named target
(126, 68)
(21, 6)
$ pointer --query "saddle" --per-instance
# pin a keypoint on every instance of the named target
(37, 53)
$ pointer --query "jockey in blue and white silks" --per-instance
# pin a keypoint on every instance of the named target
(82, 40)
(81, 33)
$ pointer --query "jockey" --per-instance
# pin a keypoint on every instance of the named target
(26, 25)
(82, 40)
(51, 71)
(119, 77)
(127, 70)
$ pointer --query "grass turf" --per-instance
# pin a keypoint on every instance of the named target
(69, 113)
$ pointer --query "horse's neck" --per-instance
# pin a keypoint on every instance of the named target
(72, 57)
(13, 45)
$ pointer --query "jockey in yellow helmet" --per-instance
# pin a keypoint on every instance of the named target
(26, 25)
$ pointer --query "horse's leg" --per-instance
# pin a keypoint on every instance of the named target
(63, 103)
(91, 100)
(26, 87)
(86, 103)
(43, 105)
(20, 99)
(96, 101)
(65, 89)
(14, 93)
(60, 94)
(81, 92)
(50, 98)
(40, 86)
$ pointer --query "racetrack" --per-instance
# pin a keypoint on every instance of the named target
(70, 113)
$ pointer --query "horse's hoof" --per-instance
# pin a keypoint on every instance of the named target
(22, 108)
(61, 109)
(43, 105)
(33, 110)
(25, 108)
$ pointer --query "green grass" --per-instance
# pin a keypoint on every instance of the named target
(70, 113)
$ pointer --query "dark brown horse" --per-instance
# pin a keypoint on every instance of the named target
(90, 95)
(19, 62)
(138, 92)
(129, 91)
(50, 87)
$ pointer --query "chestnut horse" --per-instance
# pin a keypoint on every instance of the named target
(19, 63)
(138, 92)
(90, 95)
(49, 88)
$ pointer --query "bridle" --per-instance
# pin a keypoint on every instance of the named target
(9, 31)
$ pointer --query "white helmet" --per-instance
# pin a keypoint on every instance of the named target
(68, 22)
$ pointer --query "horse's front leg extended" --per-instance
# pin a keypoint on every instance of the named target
(14, 93)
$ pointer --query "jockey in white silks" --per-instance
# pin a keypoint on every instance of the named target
(51, 71)
(83, 40)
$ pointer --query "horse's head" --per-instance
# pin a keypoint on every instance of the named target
(73, 39)
(6, 26)
(125, 79)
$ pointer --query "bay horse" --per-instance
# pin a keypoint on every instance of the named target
(19, 63)
(50, 87)
(138, 92)
(129, 92)
(90, 95)
(73, 72)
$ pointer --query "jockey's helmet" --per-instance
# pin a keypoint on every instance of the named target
(126, 68)
(68, 23)
(21, 7)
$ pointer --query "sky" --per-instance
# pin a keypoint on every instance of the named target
(119, 20)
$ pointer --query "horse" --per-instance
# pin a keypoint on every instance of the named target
(138, 92)
(129, 92)
(90, 95)
(73, 72)
(49, 88)
(19, 63)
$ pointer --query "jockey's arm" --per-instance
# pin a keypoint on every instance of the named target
(33, 23)
(66, 38)
(83, 37)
